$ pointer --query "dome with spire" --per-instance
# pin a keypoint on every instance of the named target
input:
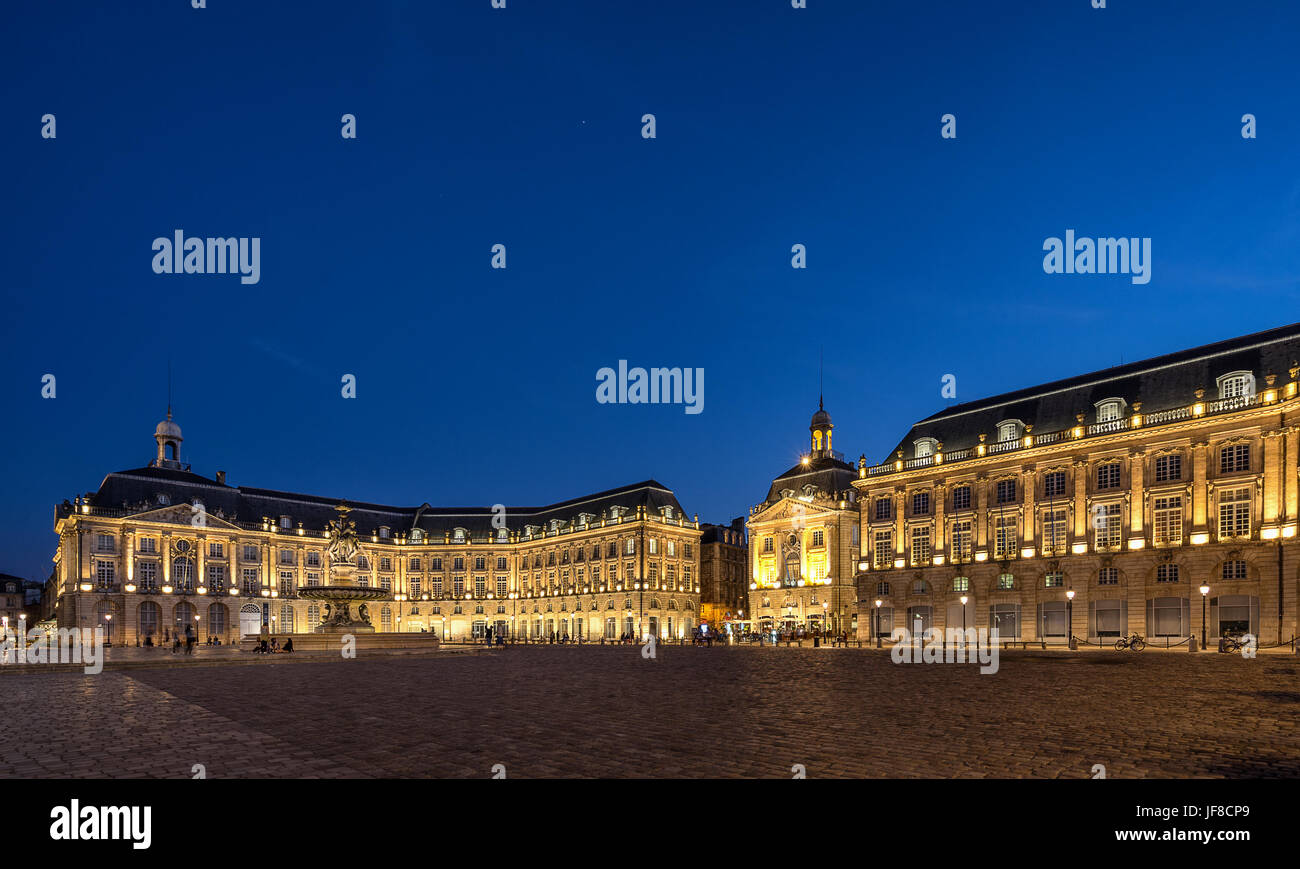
(167, 428)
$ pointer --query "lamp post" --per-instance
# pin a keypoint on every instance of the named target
(964, 598)
(108, 628)
(825, 616)
(1069, 616)
(876, 627)
(1205, 592)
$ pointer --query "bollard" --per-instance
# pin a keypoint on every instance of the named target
(1191, 644)
(1074, 644)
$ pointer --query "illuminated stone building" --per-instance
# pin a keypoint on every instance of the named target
(1099, 505)
(803, 543)
(161, 546)
(724, 580)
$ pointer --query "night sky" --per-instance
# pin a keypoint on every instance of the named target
(522, 127)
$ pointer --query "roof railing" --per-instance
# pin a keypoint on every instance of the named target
(1197, 410)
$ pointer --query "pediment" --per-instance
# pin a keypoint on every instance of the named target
(185, 514)
(791, 508)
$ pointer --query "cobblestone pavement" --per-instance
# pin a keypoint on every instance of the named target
(691, 712)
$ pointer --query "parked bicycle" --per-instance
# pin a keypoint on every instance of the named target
(1135, 642)
(1230, 644)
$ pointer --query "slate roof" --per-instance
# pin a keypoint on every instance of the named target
(244, 504)
(1160, 383)
(828, 474)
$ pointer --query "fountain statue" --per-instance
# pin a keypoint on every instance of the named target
(341, 593)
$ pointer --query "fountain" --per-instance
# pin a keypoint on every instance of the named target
(341, 591)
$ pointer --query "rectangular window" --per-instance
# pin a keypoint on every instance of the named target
(313, 579)
(413, 564)
(480, 561)
(216, 550)
(1054, 531)
(1167, 520)
(961, 498)
(435, 564)
(1234, 459)
(250, 553)
(1108, 476)
(313, 559)
(883, 509)
(458, 563)
(501, 561)
(1234, 512)
(252, 585)
(1108, 576)
(767, 544)
(1167, 573)
(217, 577)
(147, 571)
(104, 573)
(503, 582)
(1169, 468)
(630, 546)
(819, 538)
(884, 551)
(386, 583)
(148, 544)
(1006, 491)
(961, 539)
(435, 586)
(1054, 580)
(921, 545)
(1054, 484)
(921, 504)
(1106, 521)
(458, 586)
(1004, 537)
(961, 583)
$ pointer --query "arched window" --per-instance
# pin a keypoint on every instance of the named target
(1234, 570)
(183, 615)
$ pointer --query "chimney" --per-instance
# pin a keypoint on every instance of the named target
(221, 478)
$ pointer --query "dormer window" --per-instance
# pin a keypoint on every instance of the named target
(925, 447)
(1237, 384)
(503, 535)
(383, 531)
(417, 535)
(1009, 430)
(458, 535)
(286, 522)
(1110, 409)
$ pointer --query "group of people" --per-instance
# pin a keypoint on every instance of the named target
(266, 647)
(179, 641)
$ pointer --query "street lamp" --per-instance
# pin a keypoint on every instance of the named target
(108, 623)
(964, 598)
(876, 618)
(1069, 616)
(1205, 592)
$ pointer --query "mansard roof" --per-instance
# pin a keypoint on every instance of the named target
(1160, 383)
(141, 487)
(825, 473)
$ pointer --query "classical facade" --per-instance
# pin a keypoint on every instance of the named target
(724, 581)
(1134, 499)
(159, 547)
(803, 543)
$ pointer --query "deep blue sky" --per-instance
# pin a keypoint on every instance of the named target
(475, 126)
